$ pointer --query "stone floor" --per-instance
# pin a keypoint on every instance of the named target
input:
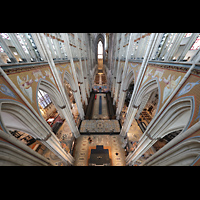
(95, 114)
(65, 137)
(100, 126)
(111, 142)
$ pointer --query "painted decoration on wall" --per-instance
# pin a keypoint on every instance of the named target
(135, 68)
(27, 81)
(49, 75)
(25, 86)
(147, 75)
(171, 84)
(187, 88)
(37, 74)
(191, 88)
(62, 68)
(8, 93)
(5, 90)
(168, 80)
(158, 73)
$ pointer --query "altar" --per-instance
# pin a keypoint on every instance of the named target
(99, 157)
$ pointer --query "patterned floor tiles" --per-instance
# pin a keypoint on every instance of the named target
(113, 143)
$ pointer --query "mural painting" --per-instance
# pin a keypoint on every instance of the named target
(62, 68)
(191, 88)
(27, 82)
(25, 86)
(168, 80)
(135, 68)
(8, 93)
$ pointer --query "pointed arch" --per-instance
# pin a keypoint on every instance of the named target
(100, 37)
(185, 153)
(23, 119)
(120, 74)
(51, 90)
(13, 152)
(128, 80)
(79, 75)
(68, 77)
(150, 86)
(177, 116)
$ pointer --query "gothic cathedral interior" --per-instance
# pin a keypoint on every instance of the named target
(99, 99)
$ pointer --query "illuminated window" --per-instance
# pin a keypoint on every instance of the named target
(187, 35)
(100, 50)
(5, 36)
(196, 44)
(22, 43)
(43, 99)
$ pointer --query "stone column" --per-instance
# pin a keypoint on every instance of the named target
(57, 46)
(143, 104)
(39, 47)
(83, 91)
(188, 46)
(132, 109)
(51, 47)
(7, 50)
(16, 43)
(86, 67)
(66, 109)
(77, 93)
(122, 92)
(117, 72)
(30, 47)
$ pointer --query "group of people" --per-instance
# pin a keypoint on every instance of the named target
(90, 139)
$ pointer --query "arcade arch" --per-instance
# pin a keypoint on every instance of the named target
(172, 122)
(24, 126)
(135, 125)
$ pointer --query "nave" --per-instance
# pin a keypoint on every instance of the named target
(99, 99)
(100, 130)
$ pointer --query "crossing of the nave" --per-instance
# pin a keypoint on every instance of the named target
(99, 99)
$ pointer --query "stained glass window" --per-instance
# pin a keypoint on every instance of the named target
(187, 35)
(100, 50)
(43, 99)
(5, 36)
(196, 44)
(22, 43)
